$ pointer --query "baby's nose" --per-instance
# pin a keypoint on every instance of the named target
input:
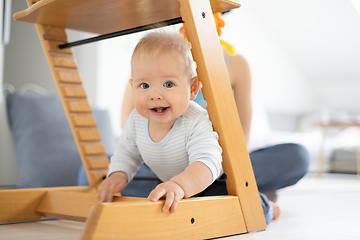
(155, 95)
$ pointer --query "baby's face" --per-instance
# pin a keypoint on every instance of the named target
(161, 88)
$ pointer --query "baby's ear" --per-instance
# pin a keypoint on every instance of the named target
(194, 88)
(130, 81)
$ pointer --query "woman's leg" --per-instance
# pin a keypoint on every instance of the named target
(279, 166)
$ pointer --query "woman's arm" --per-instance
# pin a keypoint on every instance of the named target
(240, 80)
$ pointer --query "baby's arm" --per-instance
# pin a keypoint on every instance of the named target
(115, 183)
(194, 179)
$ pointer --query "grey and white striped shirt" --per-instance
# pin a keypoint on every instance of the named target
(191, 139)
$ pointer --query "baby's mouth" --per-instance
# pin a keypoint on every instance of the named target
(159, 109)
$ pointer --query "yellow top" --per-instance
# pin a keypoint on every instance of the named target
(106, 16)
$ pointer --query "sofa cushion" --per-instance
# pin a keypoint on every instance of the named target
(46, 152)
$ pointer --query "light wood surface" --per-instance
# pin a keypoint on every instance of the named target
(197, 218)
(107, 16)
(201, 32)
(73, 205)
(18, 205)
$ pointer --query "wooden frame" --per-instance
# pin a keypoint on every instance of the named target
(208, 217)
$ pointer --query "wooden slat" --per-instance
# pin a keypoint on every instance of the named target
(55, 47)
(60, 54)
(98, 161)
(84, 121)
(211, 69)
(65, 69)
(93, 149)
(19, 205)
(79, 107)
(99, 174)
(72, 205)
(197, 218)
(69, 77)
(65, 62)
(89, 135)
(74, 92)
(67, 205)
(56, 38)
(107, 16)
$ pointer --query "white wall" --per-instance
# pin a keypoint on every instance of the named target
(113, 75)
(275, 75)
(321, 38)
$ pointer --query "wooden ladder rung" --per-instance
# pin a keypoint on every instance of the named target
(84, 121)
(54, 46)
(93, 149)
(99, 174)
(65, 62)
(60, 54)
(74, 92)
(66, 69)
(98, 161)
(79, 107)
(89, 135)
(56, 38)
(70, 77)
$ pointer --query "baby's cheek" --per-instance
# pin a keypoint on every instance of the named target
(140, 105)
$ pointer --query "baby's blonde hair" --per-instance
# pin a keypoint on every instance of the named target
(157, 42)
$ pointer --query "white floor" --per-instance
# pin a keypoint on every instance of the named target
(316, 208)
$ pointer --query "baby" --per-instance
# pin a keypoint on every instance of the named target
(167, 131)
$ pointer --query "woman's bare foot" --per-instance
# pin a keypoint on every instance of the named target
(276, 210)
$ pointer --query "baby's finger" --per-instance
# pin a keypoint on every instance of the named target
(168, 201)
(109, 196)
(174, 204)
(156, 194)
(101, 197)
(119, 187)
(102, 194)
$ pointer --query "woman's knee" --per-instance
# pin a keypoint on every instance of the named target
(300, 158)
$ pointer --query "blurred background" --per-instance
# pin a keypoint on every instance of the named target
(304, 58)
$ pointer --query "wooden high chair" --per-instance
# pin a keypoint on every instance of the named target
(128, 217)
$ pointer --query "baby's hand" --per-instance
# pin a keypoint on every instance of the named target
(172, 193)
(115, 183)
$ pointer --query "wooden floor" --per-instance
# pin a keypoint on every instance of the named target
(316, 208)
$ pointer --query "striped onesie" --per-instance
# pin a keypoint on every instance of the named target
(191, 139)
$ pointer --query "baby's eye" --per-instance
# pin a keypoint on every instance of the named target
(144, 85)
(168, 84)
